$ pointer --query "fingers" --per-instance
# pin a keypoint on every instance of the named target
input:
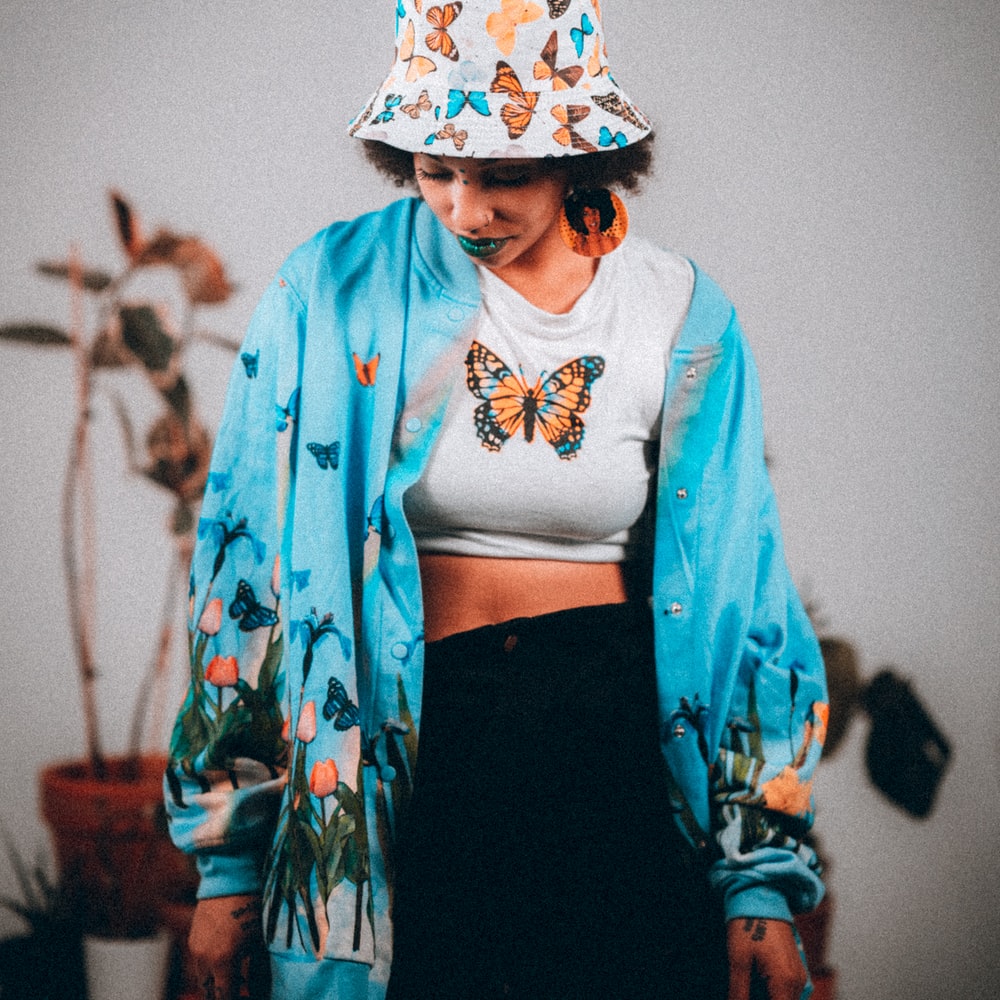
(764, 961)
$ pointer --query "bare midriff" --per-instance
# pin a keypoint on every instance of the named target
(467, 592)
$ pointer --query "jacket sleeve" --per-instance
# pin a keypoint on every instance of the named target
(770, 680)
(741, 680)
(228, 752)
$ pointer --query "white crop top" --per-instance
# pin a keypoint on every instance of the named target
(548, 443)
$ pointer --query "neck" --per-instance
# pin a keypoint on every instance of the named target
(552, 279)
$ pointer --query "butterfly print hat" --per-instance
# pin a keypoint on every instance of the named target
(500, 78)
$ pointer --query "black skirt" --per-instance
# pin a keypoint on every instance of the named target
(539, 858)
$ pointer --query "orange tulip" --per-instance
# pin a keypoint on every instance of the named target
(211, 618)
(222, 671)
(305, 731)
(324, 778)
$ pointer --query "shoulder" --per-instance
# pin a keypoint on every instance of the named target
(656, 270)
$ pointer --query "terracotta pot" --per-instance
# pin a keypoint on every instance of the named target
(111, 846)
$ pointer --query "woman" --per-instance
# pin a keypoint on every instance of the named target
(475, 487)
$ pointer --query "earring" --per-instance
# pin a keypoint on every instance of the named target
(594, 222)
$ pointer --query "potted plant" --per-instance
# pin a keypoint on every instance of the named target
(105, 812)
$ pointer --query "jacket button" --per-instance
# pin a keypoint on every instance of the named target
(675, 609)
(692, 372)
(679, 731)
(682, 494)
(413, 425)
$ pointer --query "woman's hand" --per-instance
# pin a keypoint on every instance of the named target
(764, 953)
(226, 943)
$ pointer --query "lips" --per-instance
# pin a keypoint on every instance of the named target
(482, 248)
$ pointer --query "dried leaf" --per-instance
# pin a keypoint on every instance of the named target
(91, 279)
(35, 333)
(128, 226)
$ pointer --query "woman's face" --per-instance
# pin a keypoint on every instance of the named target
(503, 212)
(591, 218)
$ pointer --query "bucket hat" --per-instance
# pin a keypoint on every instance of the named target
(500, 78)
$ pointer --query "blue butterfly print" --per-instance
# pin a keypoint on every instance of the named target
(300, 578)
(392, 101)
(250, 362)
(219, 481)
(286, 414)
(459, 99)
(327, 455)
(579, 35)
(606, 138)
(251, 613)
(339, 709)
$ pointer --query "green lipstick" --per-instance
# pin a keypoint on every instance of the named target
(481, 248)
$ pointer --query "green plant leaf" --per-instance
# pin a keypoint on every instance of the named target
(91, 279)
(35, 333)
(145, 337)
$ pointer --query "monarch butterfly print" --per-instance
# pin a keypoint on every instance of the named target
(510, 403)
(615, 105)
(250, 612)
(251, 362)
(423, 103)
(566, 135)
(518, 112)
(416, 66)
(366, 371)
(440, 18)
(545, 68)
(338, 708)
(327, 455)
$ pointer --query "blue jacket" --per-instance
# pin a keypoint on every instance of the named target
(292, 755)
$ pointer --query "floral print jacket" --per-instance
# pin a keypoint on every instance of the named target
(292, 755)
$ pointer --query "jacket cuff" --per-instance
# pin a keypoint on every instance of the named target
(756, 900)
(229, 874)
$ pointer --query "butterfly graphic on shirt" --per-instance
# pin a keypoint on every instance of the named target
(251, 362)
(517, 113)
(250, 612)
(510, 403)
(440, 19)
(545, 68)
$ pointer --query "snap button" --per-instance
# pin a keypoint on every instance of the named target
(509, 643)
(679, 731)
(675, 609)
(413, 425)
(682, 494)
(455, 314)
(692, 372)
(400, 651)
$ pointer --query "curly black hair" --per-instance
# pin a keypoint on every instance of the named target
(624, 168)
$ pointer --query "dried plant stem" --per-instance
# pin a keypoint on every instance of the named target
(79, 529)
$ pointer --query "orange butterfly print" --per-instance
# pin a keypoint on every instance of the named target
(416, 66)
(566, 135)
(423, 103)
(597, 63)
(439, 18)
(366, 370)
(545, 68)
(518, 112)
(510, 404)
(457, 136)
(502, 24)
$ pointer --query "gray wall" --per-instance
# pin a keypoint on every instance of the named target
(833, 165)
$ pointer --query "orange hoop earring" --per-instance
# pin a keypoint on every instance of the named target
(592, 223)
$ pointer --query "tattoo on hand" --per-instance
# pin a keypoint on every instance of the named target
(755, 927)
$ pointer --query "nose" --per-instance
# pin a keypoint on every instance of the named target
(471, 209)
